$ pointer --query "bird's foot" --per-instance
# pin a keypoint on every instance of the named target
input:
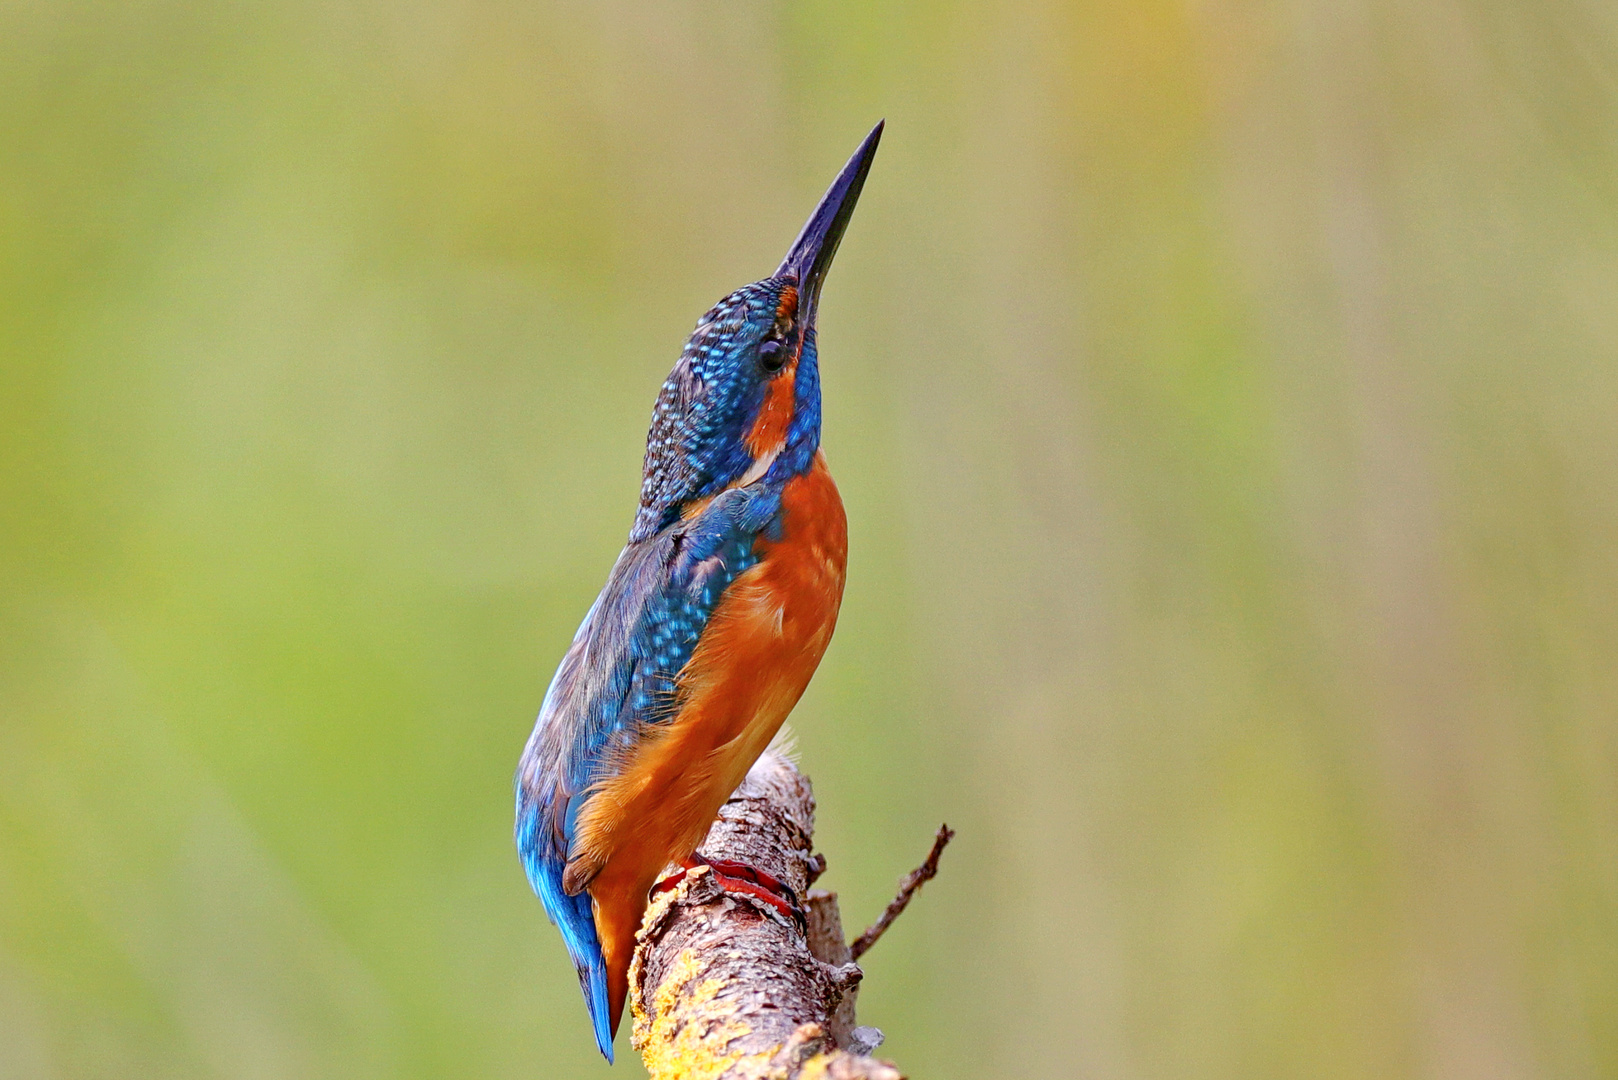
(736, 877)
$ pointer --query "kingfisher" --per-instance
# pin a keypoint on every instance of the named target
(709, 628)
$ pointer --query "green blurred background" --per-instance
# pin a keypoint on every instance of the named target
(1224, 397)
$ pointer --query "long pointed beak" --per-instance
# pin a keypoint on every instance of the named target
(812, 252)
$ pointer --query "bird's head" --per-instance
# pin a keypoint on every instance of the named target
(743, 402)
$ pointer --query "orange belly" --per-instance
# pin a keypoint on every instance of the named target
(756, 656)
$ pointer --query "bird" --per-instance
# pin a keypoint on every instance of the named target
(710, 625)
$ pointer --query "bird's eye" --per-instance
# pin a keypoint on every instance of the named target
(772, 356)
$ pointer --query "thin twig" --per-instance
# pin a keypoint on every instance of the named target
(907, 888)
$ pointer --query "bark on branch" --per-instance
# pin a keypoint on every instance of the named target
(724, 987)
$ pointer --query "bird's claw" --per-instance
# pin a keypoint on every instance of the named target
(737, 877)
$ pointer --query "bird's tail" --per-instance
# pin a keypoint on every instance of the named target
(573, 916)
(592, 969)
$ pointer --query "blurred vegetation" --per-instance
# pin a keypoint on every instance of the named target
(1223, 395)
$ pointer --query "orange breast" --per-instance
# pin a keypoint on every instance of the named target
(759, 650)
(768, 634)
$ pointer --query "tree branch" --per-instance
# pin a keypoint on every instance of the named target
(724, 987)
(909, 887)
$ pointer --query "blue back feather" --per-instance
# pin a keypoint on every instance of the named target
(619, 676)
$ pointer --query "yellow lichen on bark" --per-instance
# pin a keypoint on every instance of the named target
(690, 1026)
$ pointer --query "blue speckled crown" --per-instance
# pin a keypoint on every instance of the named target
(696, 444)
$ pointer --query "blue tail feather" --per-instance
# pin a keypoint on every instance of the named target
(572, 915)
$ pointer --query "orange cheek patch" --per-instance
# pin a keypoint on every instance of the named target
(769, 431)
(770, 428)
(787, 308)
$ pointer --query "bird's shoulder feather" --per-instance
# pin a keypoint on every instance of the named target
(619, 676)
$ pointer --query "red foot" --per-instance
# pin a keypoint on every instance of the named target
(735, 877)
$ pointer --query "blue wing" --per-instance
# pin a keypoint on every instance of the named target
(619, 676)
